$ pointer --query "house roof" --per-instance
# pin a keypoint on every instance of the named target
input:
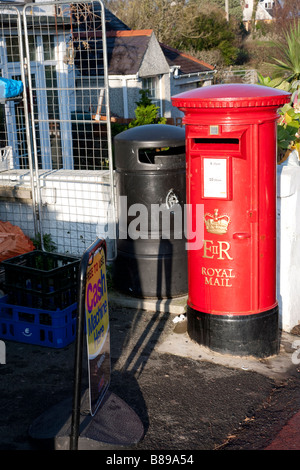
(112, 23)
(187, 63)
(126, 49)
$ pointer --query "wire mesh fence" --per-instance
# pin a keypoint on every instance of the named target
(12, 110)
(57, 133)
(68, 92)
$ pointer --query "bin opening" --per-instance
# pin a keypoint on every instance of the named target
(148, 155)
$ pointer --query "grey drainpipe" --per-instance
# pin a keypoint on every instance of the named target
(125, 98)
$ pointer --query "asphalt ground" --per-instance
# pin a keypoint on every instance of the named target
(187, 398)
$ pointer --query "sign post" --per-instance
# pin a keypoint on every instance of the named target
(93, 313)
(97, 327)
(110, 422)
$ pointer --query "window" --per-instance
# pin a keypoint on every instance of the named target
(48, 44)
(153, 85)
(13, 50)
(267, 5)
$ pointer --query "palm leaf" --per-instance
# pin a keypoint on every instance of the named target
(289, 64)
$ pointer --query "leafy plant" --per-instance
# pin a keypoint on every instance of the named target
(48, 243)
(288, 66)
(146, 115)
(274, 83)
(146, 112)
(144, 98)
(288, 127)
(288, 137)
(211, 31)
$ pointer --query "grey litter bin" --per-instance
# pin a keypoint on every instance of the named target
(150, 171)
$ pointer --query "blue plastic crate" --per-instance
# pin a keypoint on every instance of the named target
(54, 329)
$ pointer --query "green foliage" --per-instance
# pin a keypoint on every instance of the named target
(146, 112)
(211, 31)
(274, 83)
(146, 115)
(116, 128)
(144, 99)
(289, 122)
(288, 127)
(48, 243)
(288, 66)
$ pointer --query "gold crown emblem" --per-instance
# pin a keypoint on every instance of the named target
(216, 223)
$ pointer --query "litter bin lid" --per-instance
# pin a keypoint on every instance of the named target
(151, 135)
(231, 96)
(132, 143)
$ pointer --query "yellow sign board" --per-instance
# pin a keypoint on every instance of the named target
(97, 328)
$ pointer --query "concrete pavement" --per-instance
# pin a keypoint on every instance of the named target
(186, 396)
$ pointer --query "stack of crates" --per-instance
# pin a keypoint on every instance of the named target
(40, 305)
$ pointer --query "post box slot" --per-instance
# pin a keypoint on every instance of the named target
(229, 144)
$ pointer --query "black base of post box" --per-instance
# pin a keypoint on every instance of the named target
(241, 335)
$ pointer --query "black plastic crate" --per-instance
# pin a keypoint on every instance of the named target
(42, 280)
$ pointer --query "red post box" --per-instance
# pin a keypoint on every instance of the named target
(231, 170)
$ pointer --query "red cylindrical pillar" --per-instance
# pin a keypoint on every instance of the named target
(231, 171)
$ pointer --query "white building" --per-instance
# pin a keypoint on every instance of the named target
(264, 11)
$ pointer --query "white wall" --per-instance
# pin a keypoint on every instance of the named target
(288, 245)
(76, 207)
